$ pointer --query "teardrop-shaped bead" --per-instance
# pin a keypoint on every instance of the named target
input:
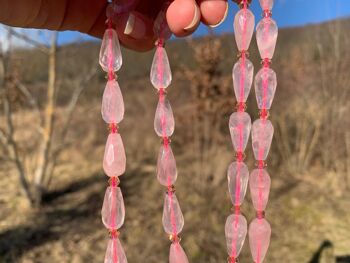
(259, 238)
(265, 87)
(160, 71)
(113, 209)
(238, 176)
(242, 75)
(240, 125)
(244, 27)
(173, 220)
(164, 123)
(115, 252)
(110, 54)
(236, 229)
(160, 27)
(112, 109)
(266, 4)
(262, 133)
(114, 159)
(259, 184)
(266, 37)
(177, 254)
(166, 166)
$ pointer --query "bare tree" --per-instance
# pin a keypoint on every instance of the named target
(35, 183)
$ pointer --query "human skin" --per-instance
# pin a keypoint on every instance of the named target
(134, 28)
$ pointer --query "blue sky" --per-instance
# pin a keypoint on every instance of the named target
(287, 13)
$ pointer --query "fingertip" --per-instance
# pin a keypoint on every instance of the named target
(183, 17)
(214, 12)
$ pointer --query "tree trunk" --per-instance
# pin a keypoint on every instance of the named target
(44, 150)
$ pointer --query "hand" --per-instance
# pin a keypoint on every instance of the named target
(135, 29)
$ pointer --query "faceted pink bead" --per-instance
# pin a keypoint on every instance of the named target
(166, 166)
(240, 125)
(177, 254)
(259, 239)
(112, 103)
(110, 54)
(173, 220)
(113, 210)
(266, 36)
(160, 71)
(236, 232)
(259, 184)
(114, 160)
(242, 75)
(115, 252)
(265, 87)
(238, 176)
(266, 4)
(164, 123)
(262, 133)
(244, 27)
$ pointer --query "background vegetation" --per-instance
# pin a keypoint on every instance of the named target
(57, 218)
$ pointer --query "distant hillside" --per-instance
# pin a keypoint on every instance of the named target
(136, 66)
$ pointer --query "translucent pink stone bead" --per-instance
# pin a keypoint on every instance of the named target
(164, 123)
(265, 87)
(115, 252)
(112, 103)
(110, 54)
(236, 232)
(173, 220)
(262, 133)
(160, 71)
(166, 166)
(259, 239)
(240, 125)
(266, 4)
(242, 75)
(266, 36)
(113, 210)
(244, 27)
(114, 159)
(259, 184)
(238, 176)
(177, 254)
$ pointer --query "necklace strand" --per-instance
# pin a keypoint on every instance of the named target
(114, 160)
(164, 125)
(240, 126)
(262, 133)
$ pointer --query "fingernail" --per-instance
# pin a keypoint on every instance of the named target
(223, 19)
(130, 24)
(195, 19)
(135, 27)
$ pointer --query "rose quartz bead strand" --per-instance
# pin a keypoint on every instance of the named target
(262, 134)
(240, 125)
(114, 159)
(164, 126)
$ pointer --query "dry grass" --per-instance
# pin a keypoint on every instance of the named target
(309, 199)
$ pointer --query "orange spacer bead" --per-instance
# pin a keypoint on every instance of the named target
(113, 128)
(174, 238)
(114, 181)
(261, 164)
(113, 233)
(240, 156)
(260, 214)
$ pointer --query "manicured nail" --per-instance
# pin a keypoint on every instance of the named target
(129, 27)
(195, 19)
(135, 27)
(223, 19)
